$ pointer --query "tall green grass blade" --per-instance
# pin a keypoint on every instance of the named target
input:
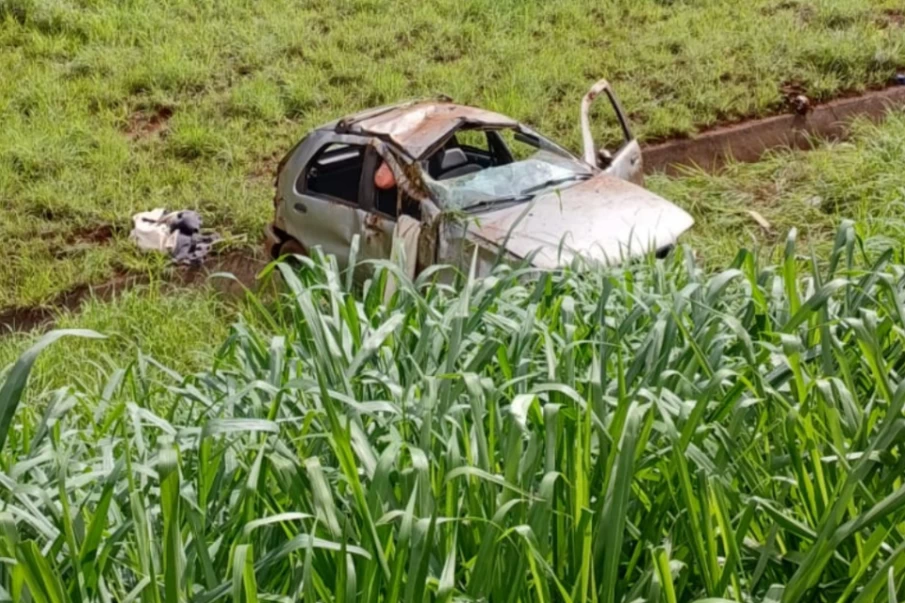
(17, 377)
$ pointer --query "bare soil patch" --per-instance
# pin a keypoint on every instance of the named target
(145, 124)
(893, 17)
(266, 167)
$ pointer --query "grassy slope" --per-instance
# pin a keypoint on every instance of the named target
(244, 80)
(861, 179)
(180, 327)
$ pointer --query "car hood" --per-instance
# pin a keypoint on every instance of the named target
(604, 219)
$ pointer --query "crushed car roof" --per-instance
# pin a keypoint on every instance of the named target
(418, 127)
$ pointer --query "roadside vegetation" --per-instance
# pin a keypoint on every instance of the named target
(756, 204)
(110, 108)
(721, 425)
(181, 327)
(860, 179)
(648, 433)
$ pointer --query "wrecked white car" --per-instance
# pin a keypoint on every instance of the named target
(467, 178)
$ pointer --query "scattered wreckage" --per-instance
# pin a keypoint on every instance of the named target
(177, 233)
(467, 179)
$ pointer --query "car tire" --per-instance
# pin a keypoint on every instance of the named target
(664, 251)
(290, 247)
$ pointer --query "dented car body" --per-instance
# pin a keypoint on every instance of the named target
(474, 180)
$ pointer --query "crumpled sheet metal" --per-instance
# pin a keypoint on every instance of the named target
(417, 128)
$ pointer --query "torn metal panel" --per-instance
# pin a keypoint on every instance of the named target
(426, 254)
(457, 246)
(376, 236)
(589, 150)
(418, 128)
(626, 162)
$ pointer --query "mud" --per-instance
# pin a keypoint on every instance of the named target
(244, 266)
(748, 141)
(42, 317)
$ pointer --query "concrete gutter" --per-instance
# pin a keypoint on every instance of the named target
(748, 141)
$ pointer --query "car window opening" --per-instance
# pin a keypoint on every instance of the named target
(335, 171)
(479, 168)
(388, 199)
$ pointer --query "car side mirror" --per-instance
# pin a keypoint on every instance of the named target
(604, 158)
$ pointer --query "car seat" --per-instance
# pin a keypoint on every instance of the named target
(454, 163)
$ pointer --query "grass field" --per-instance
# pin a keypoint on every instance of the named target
(652, 433)
(722, 425)
(861, 179)
(108, 108)
(182, 326)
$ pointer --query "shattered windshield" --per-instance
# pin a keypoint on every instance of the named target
(534, 167)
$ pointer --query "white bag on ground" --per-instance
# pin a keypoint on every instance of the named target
(176, 233)
(151, 232)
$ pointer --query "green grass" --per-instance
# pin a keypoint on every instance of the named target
(646, 433)
(83, 80)
(861, 180)
(181, 326)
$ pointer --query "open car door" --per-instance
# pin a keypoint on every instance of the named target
(624, 162)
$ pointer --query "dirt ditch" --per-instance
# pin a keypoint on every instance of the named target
(749, 140)
(243, 265)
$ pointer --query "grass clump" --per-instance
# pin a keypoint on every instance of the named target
(860, 179)
(645, 433)
(181, 326)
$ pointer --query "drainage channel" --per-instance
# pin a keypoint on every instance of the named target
(748, 141)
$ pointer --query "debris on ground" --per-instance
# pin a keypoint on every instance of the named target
(801, 104)
(177, 233)
(761, 221)
(150, 233)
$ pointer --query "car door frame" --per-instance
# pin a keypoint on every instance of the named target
(337, 220)
(627, 163)
(375, 228)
